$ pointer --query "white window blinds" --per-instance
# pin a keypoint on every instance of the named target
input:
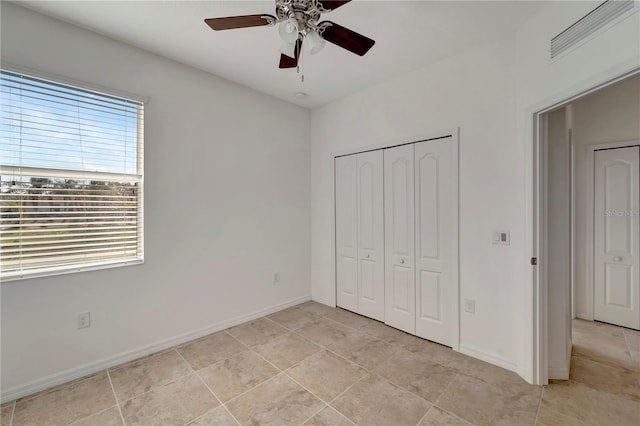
(70, 178)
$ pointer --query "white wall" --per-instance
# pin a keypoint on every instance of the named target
(612, 115)
(491, 93)
(542, 83)
(558, 228)
(226, 204)
(473, 91)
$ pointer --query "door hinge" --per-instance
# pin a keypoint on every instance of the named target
(534, 261)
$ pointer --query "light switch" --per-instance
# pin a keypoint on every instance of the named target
(470, 306)
(501, 237)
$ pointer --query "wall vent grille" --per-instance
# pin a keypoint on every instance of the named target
(589, 24)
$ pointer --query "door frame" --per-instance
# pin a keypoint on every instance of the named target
(537, 347)
(590, 217)
(454, 134)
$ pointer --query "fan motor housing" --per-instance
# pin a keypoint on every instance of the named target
(306, 12)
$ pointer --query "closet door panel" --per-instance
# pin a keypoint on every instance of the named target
(399, 238)
(346, 232)
(433, 210)
(370, 234)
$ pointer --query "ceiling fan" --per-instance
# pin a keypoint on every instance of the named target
(297, 21)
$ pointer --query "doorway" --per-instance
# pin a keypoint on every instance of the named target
(588, 270)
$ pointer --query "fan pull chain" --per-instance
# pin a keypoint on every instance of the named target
(301, 64)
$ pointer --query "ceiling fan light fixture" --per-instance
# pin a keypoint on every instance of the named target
(288, 30)
(316, 42)
(297, 20)
(288, 49)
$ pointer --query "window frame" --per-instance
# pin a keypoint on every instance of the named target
(66, 173)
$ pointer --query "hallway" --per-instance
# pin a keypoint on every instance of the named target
(604, 379)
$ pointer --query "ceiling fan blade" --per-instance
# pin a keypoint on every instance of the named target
(289, 62)
(232, 22)
(331, 5)
(345, 38)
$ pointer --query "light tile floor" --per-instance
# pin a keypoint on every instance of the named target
(315, 365)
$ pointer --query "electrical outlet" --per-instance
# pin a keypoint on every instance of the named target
(84, 320)
(470, 306)
(276, 277)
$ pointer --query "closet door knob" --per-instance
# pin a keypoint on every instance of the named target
(368, 256)
(402, 261)
(617, 259)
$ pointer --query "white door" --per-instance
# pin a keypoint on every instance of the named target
(346, 232)
(400, 302)
(370, 235)
(616, 237)
(435, 218)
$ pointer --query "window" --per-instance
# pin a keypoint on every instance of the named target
(70, 178)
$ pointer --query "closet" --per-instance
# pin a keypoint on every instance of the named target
(396, 236)
(360, 234)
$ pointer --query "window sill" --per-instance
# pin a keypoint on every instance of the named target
(62, 270)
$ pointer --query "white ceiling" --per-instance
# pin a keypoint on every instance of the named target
(409, 35)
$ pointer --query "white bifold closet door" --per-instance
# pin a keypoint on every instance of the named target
(435, 214)
(400, 289)
(347, 232)
(420, 216)
(360, 233)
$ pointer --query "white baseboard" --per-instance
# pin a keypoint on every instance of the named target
(323, 301)
(490, 358)
(559, 373)
(562, 373)
(112, 361)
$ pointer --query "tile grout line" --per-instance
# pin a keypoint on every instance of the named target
(154, 388)
(327, 404)
(326, 348)
(344, 392)
(279, 369)
(322, 347)
(425, 415)
(116, 398)
(368, 371)
(343, 416)
(372, 372)
(315, 413)
(222, 404)
(357, 329)
(615, 367)
(435, 404)
(91, 415)
(535, 422)
(208, 388)
(609, 392)
(630, 350)
(445, 389)
(297, 333)
(332, 320)
(145, 357)
(240, 394)
(451, 413)
(252, 388)
(13, 410)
